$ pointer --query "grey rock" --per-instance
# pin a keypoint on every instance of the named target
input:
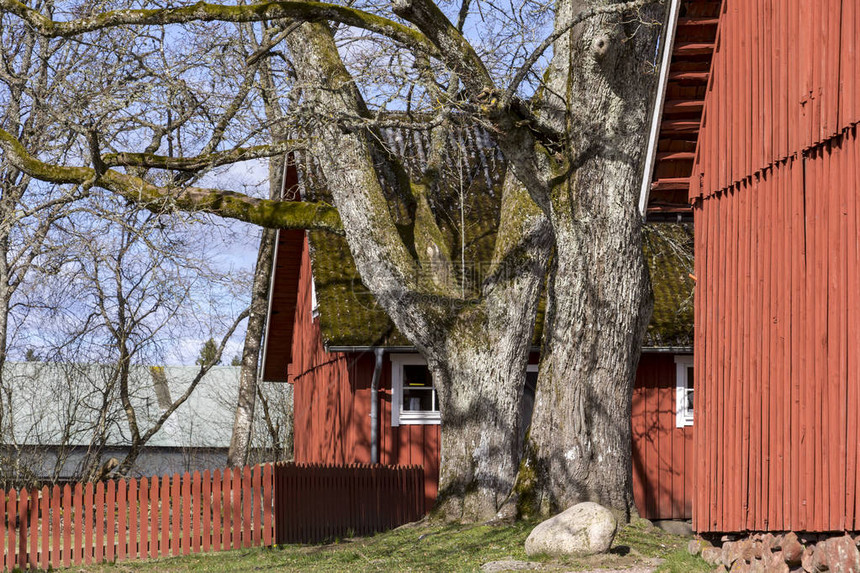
(675, 527)
(584, 529)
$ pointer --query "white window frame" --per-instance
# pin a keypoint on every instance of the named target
(398, 417)
(683, 415)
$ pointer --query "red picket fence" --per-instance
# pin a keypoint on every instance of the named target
(183, 514)
(114, 521)
(314, 502)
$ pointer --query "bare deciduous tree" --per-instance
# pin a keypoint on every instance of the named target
(573, 144)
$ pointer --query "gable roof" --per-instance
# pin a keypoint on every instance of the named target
(691, 36)
(473, 174)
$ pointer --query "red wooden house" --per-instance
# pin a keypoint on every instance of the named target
(325, 333)
(759, 134)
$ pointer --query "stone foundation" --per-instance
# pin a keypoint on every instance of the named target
(781, 552)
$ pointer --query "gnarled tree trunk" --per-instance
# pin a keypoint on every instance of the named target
(476, 351)
(579, 446)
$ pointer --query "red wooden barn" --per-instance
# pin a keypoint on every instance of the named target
(325, 327)
(759, 134)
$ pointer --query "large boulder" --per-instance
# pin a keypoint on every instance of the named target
(584, 529)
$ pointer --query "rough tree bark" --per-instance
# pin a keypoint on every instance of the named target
(476, 352)
(599, 293)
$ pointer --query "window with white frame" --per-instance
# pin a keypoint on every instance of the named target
(413, 397)
(683, 391)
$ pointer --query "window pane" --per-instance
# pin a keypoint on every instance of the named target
(690, 377)
(416, 376)
(417, 400)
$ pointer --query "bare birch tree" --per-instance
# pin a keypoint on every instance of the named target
(573, 144)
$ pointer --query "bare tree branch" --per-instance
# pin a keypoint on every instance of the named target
(263, 212)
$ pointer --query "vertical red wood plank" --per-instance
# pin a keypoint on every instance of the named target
(256, 506)
(236, 495)
(11, 518)
(131, 552)
(207, 511)
(111, 510)
(246, 507)
(78, 547)
(56, 512)
(88, 516)
(839, 209)
(638, 437)
(743, 373)
(851, 317)
(217, 512)
(3, 520)
(196, 510)
(853, 173)
(665, 421)
(154, 517)
(23, 515)
(145, 517)
(227, 510)
(45, 522)
(99, 515)
(175, 514)
(164, 534)
(649, 450)
(782, 399)
(185, 514)
(67, 525)
(122, 520)
(797, 247)
(268, 487)
(33, 527)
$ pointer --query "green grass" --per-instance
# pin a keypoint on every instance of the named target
(429, 548)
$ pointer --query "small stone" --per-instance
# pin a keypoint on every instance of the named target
(774, 563)
(806, 560)
(712, 555)
(792, 550)
(584, 529)
(729, 554)
(745, 550)
(695, 546)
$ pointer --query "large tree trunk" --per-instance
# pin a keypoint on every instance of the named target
(579, 446)
(476, 351)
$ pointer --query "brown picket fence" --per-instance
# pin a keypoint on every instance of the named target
(136, 519)
(110, 521)
(315, 502)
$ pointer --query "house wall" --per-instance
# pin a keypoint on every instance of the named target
(662, 453)
(775, 194)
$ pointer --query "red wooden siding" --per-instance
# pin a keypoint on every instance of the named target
(87, 523)
(662, 453)
(332, 403)
(776, 214)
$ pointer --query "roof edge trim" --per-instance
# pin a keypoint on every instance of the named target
(657, 116)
